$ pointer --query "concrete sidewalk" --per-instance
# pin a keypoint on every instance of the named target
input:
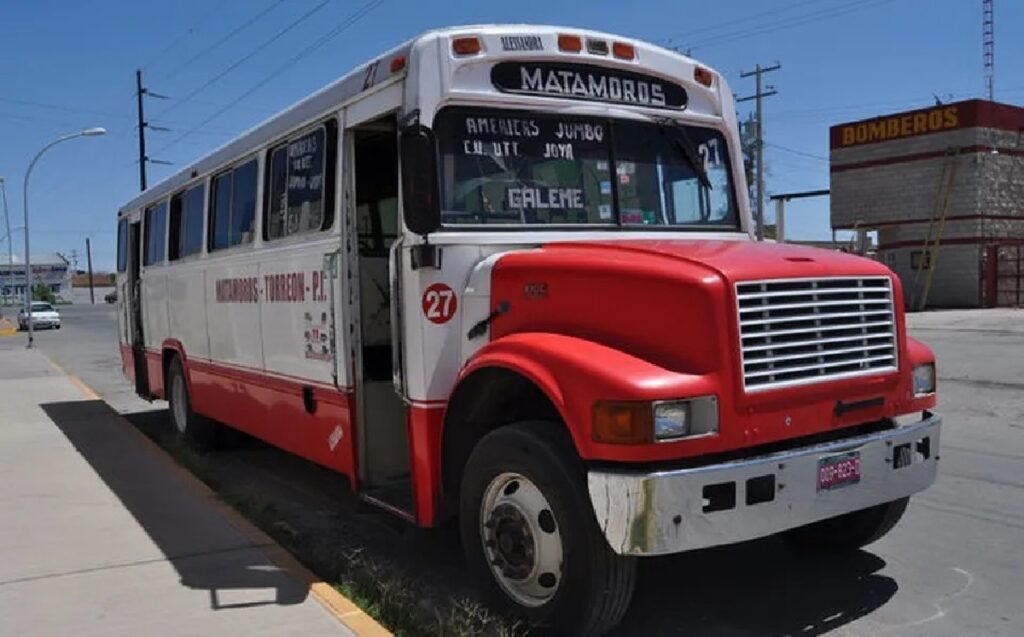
(99, 535)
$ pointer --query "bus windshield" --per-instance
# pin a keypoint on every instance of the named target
(524, 168)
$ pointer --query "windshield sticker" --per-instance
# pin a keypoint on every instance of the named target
(587, 82)
(606, 187)
(521, 43)
(604, 211)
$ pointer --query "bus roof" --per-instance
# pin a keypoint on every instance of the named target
(361, 78)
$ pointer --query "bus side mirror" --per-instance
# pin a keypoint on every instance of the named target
(422, 208)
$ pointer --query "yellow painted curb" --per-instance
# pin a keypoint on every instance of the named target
(342, 608)
(7, 328)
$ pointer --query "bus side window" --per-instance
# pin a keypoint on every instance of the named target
(220, 212)
(174, 228)
(233, 207)
(122, 245)
(154, 233)
(192, 228)
(243, 203)
(300, 183)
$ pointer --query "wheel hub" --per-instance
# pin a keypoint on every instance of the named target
(522, 541)
(510, 534)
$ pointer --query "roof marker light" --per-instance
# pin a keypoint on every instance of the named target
(397, 63)
(597, 47)
(624, 51)
(703, 76)
(469, 45)
(570, 43)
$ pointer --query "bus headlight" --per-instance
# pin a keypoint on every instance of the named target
(675, 419)
(633, 423)
(924, 379)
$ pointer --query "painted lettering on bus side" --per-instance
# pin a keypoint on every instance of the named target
(282, 287)
(240, 290)
(287, 287)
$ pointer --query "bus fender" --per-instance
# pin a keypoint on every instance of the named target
(573, 374)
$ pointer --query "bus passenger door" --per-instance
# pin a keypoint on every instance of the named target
(381, 413)
(133, 310)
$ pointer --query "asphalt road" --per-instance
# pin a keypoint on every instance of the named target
(953, 567)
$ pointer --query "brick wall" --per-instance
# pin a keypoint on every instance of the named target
(897, 185)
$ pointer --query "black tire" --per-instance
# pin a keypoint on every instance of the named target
(596, 584)
(851, 531)
(199, 432)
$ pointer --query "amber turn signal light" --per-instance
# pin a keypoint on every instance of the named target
(570, 43)
(623, 51)
(623, 423)
(703, 76)
(466, 46)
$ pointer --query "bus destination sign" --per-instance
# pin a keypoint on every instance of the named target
(587, 82)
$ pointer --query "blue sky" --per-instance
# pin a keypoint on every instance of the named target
(68, 64)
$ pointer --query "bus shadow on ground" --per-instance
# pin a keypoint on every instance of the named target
(207, 552)
(763, 587)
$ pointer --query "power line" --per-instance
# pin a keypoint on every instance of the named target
(59, 107)
(353, 18)
(248, 56)
(797, 152)
(748, 18)
(788, 23)
(159, 54)
(221, 41)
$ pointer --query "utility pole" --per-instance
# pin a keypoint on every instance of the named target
(139, 91)
(762, 91)
(88, 256)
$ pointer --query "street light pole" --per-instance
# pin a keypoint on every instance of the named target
(10, 250)
(88, 132)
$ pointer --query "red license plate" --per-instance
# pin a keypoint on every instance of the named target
(839, 471)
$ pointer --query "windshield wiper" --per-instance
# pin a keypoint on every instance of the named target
(685, 143)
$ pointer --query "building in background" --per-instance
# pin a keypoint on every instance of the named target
(51, 270)
(944, 189)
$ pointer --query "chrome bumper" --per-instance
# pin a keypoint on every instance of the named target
(673, 511)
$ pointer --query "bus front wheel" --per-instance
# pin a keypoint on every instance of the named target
(530, 535)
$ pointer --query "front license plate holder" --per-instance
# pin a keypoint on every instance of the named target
(838, 471)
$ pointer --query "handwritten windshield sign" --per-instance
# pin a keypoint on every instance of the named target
(587, 82)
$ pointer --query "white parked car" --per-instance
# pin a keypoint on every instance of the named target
(43, 315)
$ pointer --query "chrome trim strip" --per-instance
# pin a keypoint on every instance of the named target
(662, 512)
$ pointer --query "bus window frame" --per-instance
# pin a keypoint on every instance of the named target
(329, 194)
(210, 209)
(122, 245)
(146, 210)
(183, 194)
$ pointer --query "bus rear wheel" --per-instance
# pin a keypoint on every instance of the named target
(530, 536)
(198, 431)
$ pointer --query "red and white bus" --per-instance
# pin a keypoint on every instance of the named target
(507, 274)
